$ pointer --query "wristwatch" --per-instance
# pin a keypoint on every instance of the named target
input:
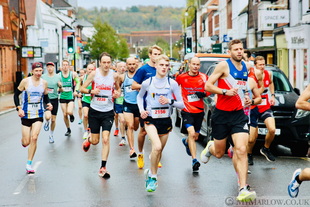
(224, 91)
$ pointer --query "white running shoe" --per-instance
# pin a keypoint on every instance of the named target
(205, 154)
(85, 135)
(122, 142)
(51, 139)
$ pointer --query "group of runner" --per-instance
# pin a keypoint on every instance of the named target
(146, 96)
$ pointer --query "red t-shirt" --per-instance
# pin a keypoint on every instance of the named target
(190, 85)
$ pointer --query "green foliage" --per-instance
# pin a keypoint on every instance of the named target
(144, 53)
(106, 40)
(141, 18)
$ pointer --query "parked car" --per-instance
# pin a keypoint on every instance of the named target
(292, 125)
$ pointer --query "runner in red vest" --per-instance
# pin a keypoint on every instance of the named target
(262, 111)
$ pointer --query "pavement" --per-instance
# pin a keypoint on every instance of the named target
(6, 103)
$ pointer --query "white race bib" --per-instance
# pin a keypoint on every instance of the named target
(160, 113)
(50, 90)
(67, 89)
(128, 89)
(264, 102)
(34, 106)
(103, 100)
(192, 98)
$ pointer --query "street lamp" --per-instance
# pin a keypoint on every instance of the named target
(195, 18)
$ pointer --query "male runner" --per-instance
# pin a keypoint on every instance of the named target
(157, 113)
(192, 85)
(146, 71)
(31, 110)
(53, 84)
(66, 98)
(101, 114)
(228, 118)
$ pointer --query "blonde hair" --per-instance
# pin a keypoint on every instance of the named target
(155, 47)
(258, 58)
(161, 57)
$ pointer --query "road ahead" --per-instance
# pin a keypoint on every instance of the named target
(67, 176)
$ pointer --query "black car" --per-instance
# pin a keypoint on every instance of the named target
(292, 125)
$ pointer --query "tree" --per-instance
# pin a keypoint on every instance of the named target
(106, 40)
(144, 53)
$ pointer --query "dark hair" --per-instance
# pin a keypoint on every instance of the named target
(233, 42)
(248, 52)
(104, 54)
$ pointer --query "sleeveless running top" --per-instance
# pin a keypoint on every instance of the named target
(32, 100)
(52, 85)
(130, 96)
(155, 109)
(103, 101)
(86, 96)
(265, 105)
(236, 79)
(67, 86)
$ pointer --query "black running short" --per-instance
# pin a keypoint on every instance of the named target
(131, 108)
(163, 125)
(85, 104)
(255, 115)
(29, 122)
(66, 101)
(226, 123)
(191, 119)
(97, 119)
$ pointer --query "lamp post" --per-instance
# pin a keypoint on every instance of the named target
(195, 18)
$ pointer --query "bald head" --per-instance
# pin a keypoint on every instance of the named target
(131, 64)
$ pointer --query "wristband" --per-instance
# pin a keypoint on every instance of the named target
(89, 91)
(273, 94)
(252, 102)
(171, 101)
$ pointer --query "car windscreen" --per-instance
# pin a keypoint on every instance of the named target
(205, 65)
(280, 82)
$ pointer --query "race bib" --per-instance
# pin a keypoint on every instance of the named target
(128, 89)
(87, 94)
(102, 100)
(264, 102)
(67, 89)
(192, 98)
(50, 90)
(34, 106)
(160, 113)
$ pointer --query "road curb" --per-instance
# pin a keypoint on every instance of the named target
(7, 111)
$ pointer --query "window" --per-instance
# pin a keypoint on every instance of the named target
(1, 18)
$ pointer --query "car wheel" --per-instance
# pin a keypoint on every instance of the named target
(177, 118)
(299, 149)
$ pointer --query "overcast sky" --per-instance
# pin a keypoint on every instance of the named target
(129, 3)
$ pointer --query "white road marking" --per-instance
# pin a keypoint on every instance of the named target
(22, 184)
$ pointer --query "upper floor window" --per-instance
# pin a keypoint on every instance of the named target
(1, 18)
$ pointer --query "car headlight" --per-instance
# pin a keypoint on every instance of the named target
(301, 113)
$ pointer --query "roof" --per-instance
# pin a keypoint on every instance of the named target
(31, 6)
(61, 3)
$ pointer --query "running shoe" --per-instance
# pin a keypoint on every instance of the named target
(51, 139)
(68, 133)
(205, 154)
(250, 159)
(116, 132)
(230, 152)
(85, 135)
(71, 118)
(122, 142)
(267, 153)
(104, 173)
(86, 145)
(150, 183)
(29, 169)
(196, 165)
(293, 186)
(186, 147)
(132, 153)
(160, 165)
(81, 121)
(140, 161)
(245, 195)
(46, 126)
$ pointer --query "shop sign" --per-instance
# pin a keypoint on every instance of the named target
(275, 16)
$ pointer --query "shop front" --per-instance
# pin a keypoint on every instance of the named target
(298, 44)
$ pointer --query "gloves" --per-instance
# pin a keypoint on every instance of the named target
(200, 94)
